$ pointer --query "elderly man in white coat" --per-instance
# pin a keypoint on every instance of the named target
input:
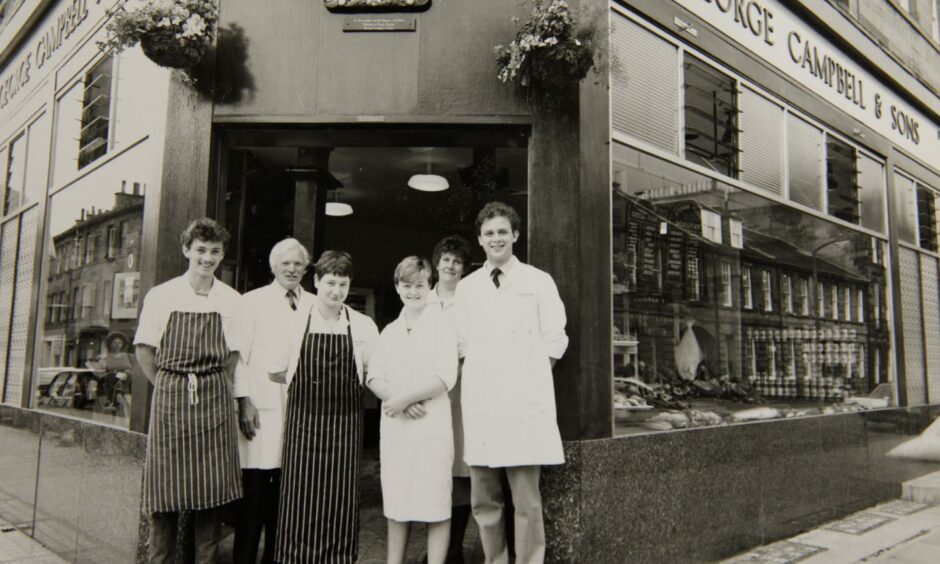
(511, 330)
(261, 402)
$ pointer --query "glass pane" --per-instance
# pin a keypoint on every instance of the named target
(711, 117)
(91, 293)
(16, 171)
(926, 219)
(871, 183)
(905, 198)
(38, 159)
(804, 163)
(771, 320)
(762, 135)
(841, 180)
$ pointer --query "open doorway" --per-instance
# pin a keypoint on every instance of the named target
(284, 182)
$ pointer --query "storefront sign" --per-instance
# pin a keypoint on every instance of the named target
(49, 39)
(380, 23)
(772, 32)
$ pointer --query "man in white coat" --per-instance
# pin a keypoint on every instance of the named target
(511, 329)
(261, 402)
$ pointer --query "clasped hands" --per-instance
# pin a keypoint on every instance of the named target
(395, 406)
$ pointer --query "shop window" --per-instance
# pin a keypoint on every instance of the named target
(804, 162)
(747, 289)
(841, 180)
(96, 113)
(16, 172)
(726, 299)
(736, 230)
(872, 192)
(786, 293)
(762, 141)
(767, 290)
(760, 352)
(926, 219)
(905, 197)
(644, 89)
(711, 117)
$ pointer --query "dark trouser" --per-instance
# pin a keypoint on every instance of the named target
(257, 512)
(163, 527)
(488, 510)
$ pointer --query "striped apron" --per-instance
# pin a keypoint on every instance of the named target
(318, 519)
(192, 453)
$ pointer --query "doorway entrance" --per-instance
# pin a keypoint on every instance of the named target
(379, 194)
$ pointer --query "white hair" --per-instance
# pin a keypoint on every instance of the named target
(285, 246)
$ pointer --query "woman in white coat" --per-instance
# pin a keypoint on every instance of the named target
(416, 361)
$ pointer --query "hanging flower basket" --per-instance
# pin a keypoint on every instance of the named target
(552, 50)
(164, 48)
(172, 33)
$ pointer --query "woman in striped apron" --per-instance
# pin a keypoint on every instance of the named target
(318, 520)
(186, 342)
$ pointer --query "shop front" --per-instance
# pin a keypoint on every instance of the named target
(745, 246)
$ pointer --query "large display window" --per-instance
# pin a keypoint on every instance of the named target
(731, 306)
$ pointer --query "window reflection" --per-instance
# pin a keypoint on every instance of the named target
(92, 295)
(785, 310)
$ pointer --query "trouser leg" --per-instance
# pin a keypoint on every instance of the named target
(272, 498)
(528, 521)
(208, 532)
(486, 500)
(162, 540)
(250, 520)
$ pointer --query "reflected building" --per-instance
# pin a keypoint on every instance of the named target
(93, 286)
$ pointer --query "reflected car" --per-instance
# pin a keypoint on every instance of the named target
(65, 386)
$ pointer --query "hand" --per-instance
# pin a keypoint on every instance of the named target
(248, 419)
(415, 410)
(394, 406)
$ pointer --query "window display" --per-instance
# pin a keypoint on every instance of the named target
(782, 316)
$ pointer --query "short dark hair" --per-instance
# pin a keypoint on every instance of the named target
(337, 263)
(452, 244)
(204, 229)
(498, 209)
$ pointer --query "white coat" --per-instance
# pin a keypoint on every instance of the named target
(417, 454)
(507, 335)
(265, 312)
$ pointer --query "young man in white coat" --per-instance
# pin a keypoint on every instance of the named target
(261, 402)
(511, 330)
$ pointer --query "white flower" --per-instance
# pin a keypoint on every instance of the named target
(195, 26)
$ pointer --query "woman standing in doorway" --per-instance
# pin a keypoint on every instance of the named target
(450, 259)
(186, 346)
(323, 364)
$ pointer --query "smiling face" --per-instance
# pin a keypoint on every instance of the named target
(204, 256)
(332, 289)
(289, 269)
(414, 291)
(449, 268)
(497, 237)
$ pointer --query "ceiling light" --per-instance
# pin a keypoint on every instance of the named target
(338, 209)
(428, 182)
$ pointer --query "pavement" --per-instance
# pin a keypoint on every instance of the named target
(19, 548)
(902, 531)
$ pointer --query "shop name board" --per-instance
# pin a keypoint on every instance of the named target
(52, 35)
(771, 31)
(380, 23)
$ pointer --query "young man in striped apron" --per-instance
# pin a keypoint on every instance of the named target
(323, 363)
(187, 342)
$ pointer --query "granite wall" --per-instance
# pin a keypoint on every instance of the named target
(73, 485)
(700, 495)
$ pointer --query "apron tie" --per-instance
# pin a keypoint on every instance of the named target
(193, 396)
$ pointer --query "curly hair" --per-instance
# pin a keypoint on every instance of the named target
(454, 245)
(206, 230)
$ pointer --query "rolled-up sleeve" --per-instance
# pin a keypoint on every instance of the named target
(552, 319)
(151, 321)
(445, 353)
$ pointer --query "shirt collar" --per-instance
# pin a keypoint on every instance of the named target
(183, 281)
(505, 269)
(435, 298)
